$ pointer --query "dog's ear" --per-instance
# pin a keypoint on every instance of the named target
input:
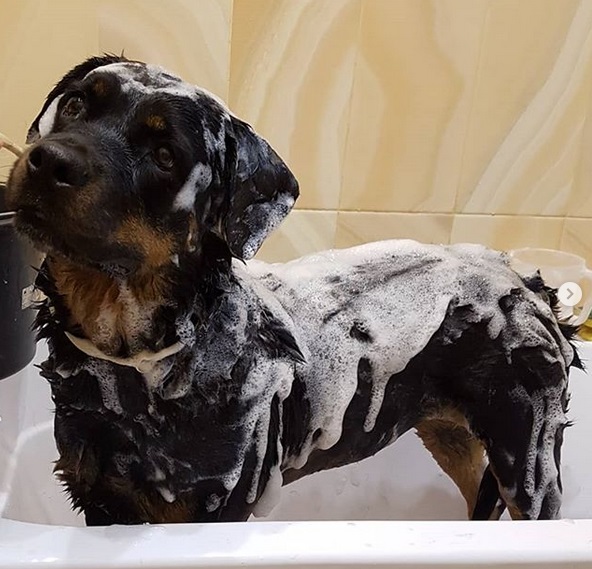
(262, 190)
(76, 74)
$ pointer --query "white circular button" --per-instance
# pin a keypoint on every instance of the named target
(569, 294)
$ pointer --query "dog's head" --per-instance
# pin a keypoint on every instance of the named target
(130, 167)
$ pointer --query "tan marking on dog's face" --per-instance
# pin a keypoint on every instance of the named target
(156, 247)
(100, 87)
(456, 450)
(156, 122)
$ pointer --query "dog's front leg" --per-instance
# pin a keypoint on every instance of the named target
(96, 516)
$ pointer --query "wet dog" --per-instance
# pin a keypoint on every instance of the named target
(190, 385)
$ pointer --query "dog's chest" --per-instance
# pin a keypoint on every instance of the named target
(156, 452)
(200, 437)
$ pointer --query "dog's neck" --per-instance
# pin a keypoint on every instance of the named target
(116, 314)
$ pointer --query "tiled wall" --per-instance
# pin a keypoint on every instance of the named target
(440, 120)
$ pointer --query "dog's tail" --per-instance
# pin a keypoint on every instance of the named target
(536, 284)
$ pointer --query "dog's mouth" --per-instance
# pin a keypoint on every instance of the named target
(37, 228)
(34, 223)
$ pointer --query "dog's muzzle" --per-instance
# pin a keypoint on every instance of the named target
(57, 164)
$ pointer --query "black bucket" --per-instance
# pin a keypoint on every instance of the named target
(17, 259)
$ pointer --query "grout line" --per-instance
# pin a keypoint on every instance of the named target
(350, 104)
(471, 109)
(446, 213)
(562, 232)
(230, 34)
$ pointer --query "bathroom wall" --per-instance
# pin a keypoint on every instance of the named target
(441, 120)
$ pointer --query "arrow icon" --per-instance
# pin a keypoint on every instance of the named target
(569, 294)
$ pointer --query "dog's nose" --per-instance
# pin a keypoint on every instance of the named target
(58, 165)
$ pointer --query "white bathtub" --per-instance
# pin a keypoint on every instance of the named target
(401, 483)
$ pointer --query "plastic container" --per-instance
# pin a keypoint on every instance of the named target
(17, 274)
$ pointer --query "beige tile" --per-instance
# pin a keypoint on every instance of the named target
(301, 233)
(354, 228)
(190, 38)
(506, 231)
(41, 41)
(531, 99)
(291, 75)
(577, 238)
(412, 92)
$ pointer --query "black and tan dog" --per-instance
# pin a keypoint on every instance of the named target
(189, 385)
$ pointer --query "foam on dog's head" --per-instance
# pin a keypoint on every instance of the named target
(198, 181)
(47, 119)
(246, 189)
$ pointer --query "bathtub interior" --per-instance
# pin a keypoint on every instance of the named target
(400, 483)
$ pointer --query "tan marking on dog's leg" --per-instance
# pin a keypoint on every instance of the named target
(515, 513)
(458, 453)
(150, 506)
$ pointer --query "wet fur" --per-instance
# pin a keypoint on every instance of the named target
(126, 447)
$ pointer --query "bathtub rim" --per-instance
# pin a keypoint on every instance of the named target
(548, 544)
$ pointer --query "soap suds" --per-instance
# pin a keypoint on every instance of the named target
(399, 291)
(166, 494)
(198, 180)
(47, 120)
(397, 295)
(107, 382)
(213, 502)
(262, 219)
(271, 495)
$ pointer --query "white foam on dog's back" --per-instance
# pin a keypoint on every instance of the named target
(400, 313)
(398, 292)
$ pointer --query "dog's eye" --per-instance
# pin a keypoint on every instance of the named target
(163, 156)
(73, 107)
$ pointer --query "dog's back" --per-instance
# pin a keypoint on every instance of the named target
(399, 335)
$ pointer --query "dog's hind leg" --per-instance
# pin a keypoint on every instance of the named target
(458, 453)
(523, 439)
(490, 505)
